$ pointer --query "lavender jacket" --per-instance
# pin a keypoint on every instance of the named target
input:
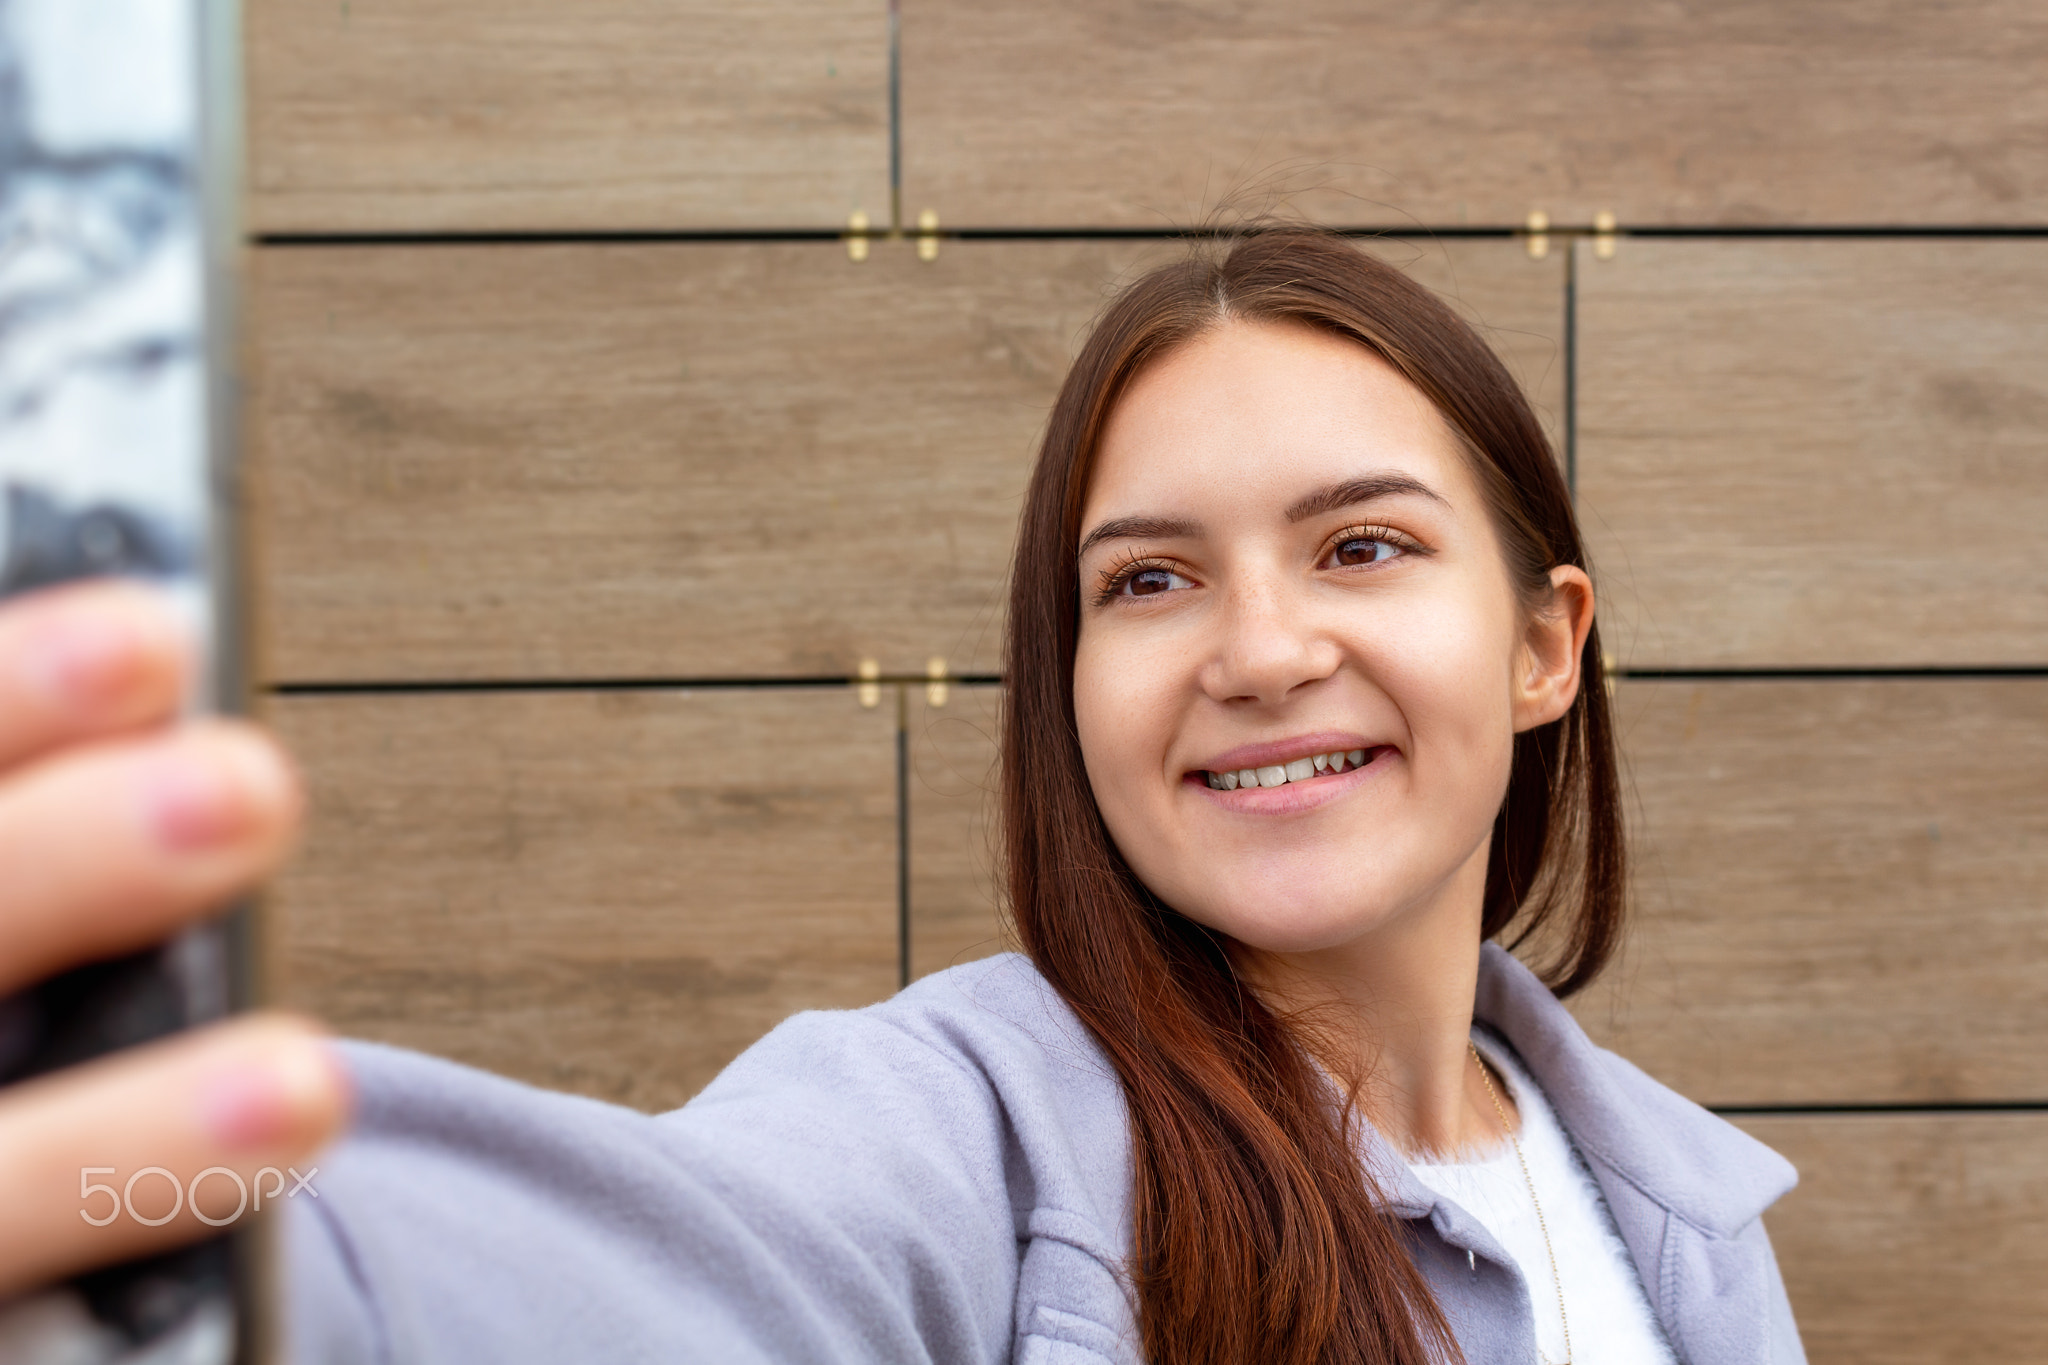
(941, 1177)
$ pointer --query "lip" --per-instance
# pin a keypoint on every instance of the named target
(1294, 797)
(1282, 750)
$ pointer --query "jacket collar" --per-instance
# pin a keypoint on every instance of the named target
(1696, 1166)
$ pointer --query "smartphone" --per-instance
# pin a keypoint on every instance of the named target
(119, 241)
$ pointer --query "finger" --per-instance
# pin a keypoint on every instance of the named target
(223, 1103)
(108, 849)
(86, 660)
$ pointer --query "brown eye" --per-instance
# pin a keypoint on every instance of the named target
(1146, 582)
(1363, 550)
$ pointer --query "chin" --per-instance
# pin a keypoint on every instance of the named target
(1293, 918)
(1312, 894)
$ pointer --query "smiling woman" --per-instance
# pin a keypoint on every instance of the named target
(1299, 627)
(1300, 620)
(1300, 637)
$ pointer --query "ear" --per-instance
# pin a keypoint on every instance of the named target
(1546, 680)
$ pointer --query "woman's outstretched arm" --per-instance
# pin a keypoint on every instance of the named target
(842, 1193)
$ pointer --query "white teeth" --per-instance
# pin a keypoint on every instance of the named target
(1279, 775)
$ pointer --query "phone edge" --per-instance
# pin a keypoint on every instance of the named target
(221, 178)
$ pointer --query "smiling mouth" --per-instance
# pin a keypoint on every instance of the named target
(1306, 769)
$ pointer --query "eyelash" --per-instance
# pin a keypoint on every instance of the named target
(1110, 585)
(1113, 579)
(1386, 535)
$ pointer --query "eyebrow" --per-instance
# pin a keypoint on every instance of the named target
(1348, 493)
(1140, 528)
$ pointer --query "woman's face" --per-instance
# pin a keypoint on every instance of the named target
(1301, 662)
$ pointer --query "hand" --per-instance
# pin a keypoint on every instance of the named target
(119, 824)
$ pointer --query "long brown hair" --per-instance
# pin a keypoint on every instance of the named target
(1259, 1235)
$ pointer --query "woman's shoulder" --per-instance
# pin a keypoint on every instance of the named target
(987, 1043)
(1683, 1158)
(1687, 1189)
(996, 1016)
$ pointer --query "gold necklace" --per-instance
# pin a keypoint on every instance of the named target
(1527, 1179)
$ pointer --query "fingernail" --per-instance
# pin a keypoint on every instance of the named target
(201, 799)
(262, 1102)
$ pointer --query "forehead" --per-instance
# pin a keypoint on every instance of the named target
(1251, 412)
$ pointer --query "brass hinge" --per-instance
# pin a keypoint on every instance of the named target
(928, 235)
(1538, 238)
(935, 685)
(868, 686)
(857, 236)
(1604, 235)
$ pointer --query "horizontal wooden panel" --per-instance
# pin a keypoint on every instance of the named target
(1128, 113)
(686, 460)
(1817, 452)
(955, 861)
(502, 115)
(1841, 891)
(610, 892)
(1914, 1239)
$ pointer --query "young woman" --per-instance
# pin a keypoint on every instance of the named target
(1301, 717)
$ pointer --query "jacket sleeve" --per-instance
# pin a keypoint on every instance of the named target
(837, 1194)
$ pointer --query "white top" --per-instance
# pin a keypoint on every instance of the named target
(1611, 1321)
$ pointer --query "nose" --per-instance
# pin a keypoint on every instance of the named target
(1268, 644)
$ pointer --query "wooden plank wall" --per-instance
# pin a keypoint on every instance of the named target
(594, 464)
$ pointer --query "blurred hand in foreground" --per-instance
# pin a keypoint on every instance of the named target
(120, 823)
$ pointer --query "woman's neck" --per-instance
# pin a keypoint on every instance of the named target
(1393, 1009)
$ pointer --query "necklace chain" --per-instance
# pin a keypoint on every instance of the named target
(1557, 1280)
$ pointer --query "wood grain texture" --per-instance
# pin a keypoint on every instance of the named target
(607, 892)
(955, 861)
(696, 460)
(1841, 891)
(1817, 452)
(1130, 113)
(608, 115)
(1914, 1239)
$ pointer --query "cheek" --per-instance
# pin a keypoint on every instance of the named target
(1451, 683)
(1126, 709)
(1109, 719)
